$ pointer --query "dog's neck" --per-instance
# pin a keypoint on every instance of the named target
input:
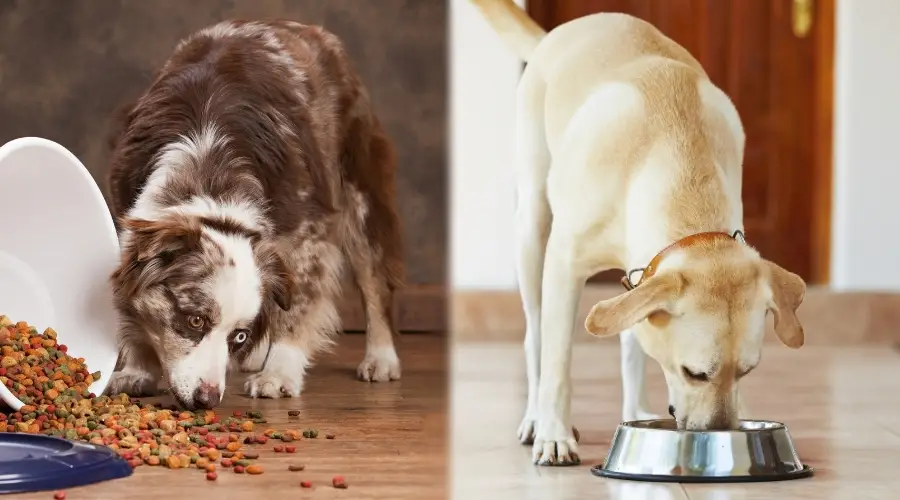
(647, 272)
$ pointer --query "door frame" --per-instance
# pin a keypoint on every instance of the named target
(823, 131)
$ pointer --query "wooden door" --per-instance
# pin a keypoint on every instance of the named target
(66, 66)
(780, 83)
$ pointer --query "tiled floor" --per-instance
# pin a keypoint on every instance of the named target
(841, 404)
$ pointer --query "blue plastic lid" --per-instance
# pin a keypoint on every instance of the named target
(33, 462)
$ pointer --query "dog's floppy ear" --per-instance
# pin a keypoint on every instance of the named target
(612, 316)
(278, 280)
(171, 233)
(788, 290)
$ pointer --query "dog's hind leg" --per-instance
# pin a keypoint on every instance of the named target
(372, 240)
(634, 393)
(532, 229)
(380, 363)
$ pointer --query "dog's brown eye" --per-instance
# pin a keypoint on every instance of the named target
(196, 322)
(699, 377)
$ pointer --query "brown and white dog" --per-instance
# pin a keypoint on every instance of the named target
(244, 178)
(630, 158)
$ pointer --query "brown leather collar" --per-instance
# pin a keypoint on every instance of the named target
(685, 242)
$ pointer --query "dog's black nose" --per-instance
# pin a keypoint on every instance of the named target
(672, 411)
(207, 396)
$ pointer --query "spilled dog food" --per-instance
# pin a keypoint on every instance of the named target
(55, 389)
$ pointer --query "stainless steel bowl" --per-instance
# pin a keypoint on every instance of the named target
(655, 450)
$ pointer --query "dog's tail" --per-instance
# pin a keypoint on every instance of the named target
(512, 24)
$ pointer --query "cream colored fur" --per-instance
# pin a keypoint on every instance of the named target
(624, 146)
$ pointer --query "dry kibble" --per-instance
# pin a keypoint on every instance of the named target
(329, 436)
(54, 386)
(59, 495)
(339, 482)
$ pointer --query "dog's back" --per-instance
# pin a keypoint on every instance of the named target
(632, 123)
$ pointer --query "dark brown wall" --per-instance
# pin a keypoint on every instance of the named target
(66, 65)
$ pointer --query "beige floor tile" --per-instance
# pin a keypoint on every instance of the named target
(839, 403)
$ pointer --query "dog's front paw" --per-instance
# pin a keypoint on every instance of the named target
(274, 384)
(555, 444)
(529, 424)
(379, 365)
(132, 382)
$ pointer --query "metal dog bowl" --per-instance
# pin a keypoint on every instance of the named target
(655, 450)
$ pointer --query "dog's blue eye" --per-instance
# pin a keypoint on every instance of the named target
(240, 337)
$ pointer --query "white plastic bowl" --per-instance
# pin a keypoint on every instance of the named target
(58, 247)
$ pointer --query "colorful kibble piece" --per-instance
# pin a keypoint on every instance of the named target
(339, 482)
(296, 467)
(305, 484)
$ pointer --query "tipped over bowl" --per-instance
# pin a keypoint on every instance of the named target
(58, 247)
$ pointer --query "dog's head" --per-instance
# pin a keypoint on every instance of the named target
(702, 316)
(197, 291)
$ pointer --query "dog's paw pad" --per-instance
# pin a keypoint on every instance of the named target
(379, 365)
(273, 385)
